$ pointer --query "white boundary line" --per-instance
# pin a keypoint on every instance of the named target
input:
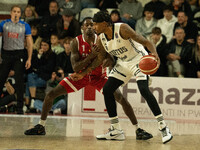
(76, 117)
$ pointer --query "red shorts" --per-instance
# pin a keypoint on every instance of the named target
(72, 86)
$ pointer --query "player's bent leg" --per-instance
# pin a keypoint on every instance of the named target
(140, 133)
(48, 102)
(153, 104)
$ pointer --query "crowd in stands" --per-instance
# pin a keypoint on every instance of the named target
(173, 27)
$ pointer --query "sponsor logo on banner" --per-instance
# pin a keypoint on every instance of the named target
(177, 98)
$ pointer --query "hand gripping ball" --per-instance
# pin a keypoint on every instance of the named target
(148, 64)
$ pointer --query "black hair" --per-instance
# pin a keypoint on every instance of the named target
(149, 8)
(102, 16)
(85, 19)
(181, 11)
(47, 40)
(115, 11)
(53, 1)
(168, 7)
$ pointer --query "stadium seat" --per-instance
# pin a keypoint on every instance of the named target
(88, 12)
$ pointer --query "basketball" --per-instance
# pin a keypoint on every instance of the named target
(148, 65)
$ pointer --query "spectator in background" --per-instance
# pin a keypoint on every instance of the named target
(130, 10)
(160, 42)
(115, 16)
(63, 59)
(41, 6)
(59, 104)
(73, 5)
(14, 32)
(36, 38)
(178, 55)
(55, 45)
(181, 5)
(193, 4)
(43, 64)
(29, 14)
(193, 67)
(88, 4)
(191, 30)
(166, 24)
(145, 25)
(157, 7)
(49, 21)
(67, 25)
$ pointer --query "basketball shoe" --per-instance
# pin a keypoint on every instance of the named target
(142, 134)
(166, 135)
(36, 130)
(112, 134)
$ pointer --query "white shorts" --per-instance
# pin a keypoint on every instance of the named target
(124, 71)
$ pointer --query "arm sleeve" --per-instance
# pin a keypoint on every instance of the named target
(1, 26)
(27, 29)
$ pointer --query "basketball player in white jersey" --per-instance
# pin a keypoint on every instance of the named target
(121, 40)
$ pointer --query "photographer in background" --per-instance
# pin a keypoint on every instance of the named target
(59, 104)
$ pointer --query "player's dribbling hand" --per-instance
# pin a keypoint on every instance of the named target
(156, 56)
(76, 76)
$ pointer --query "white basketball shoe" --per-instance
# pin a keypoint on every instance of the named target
(112, 134)
(166, 135)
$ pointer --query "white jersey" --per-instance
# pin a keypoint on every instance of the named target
(126, 50)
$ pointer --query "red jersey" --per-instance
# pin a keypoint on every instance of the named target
(84, 50)
(97, 78)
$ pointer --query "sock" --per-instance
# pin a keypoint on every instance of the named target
(115, 123)
(136, 126)
(32, 103)
(161, 122)
(42, 122)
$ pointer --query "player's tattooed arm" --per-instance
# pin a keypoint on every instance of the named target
(109, 61)
(127, 32)
(95, 63)
(77, 63)
(101, 55)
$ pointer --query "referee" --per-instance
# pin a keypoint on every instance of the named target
(14, 33)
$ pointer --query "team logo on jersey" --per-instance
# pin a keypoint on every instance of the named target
(116, 35)
(103, 39)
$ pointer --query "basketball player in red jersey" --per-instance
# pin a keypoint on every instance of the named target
(83, 52)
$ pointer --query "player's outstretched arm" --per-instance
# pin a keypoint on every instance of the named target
(77, 63)
(127, 32)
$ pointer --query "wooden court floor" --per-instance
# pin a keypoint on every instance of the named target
(78, 133)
